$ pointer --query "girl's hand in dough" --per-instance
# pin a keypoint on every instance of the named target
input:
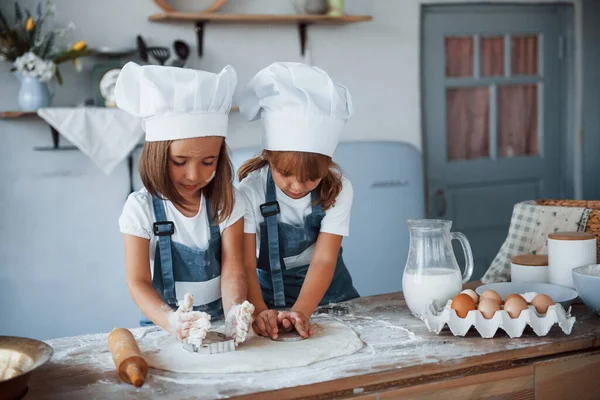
(238, 321)
(290, 320)
(180, 323)
(265, 323)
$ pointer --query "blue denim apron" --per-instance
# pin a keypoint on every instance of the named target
(281, 286)
(177, 263)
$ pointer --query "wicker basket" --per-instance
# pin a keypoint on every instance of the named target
(593, 224)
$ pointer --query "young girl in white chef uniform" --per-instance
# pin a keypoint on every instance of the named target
(298, 203)
(183, 231)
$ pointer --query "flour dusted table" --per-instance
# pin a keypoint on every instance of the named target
(401, 359)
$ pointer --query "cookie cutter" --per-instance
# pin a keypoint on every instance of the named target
(213, 343)
(291, 336)
(334, 309)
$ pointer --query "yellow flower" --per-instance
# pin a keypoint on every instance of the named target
(29, 25)
(79, 45)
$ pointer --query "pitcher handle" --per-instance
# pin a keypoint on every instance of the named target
(468, 254)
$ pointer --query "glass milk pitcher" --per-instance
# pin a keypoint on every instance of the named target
(431, 270)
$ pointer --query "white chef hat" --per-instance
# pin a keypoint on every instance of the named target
(301, 107)
(176, 103)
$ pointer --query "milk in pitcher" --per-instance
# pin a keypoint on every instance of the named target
(441, 284)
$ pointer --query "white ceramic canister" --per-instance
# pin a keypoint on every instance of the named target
(567, 250)
(529, 268)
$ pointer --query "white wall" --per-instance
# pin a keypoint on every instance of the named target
(59, 236)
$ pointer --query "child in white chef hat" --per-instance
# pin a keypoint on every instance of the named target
(183, 231)
(298, 203)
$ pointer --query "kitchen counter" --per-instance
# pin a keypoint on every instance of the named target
(400, 358)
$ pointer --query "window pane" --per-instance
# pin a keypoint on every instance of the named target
(517, 120)
(491, 51)
(459, 56)
(467, 123)
(524, 55)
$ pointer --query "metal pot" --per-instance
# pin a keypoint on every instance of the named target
(36, 353)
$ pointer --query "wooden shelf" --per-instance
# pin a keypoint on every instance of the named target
(17, 114)
(258, 18)
(301, 20)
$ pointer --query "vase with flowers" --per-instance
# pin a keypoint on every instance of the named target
(34, 47)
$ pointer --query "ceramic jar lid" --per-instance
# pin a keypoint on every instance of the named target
(571, 236)
(531, 260)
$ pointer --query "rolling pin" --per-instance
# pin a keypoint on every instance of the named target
(131, 366)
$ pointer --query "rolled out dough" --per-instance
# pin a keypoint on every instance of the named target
(330, 339)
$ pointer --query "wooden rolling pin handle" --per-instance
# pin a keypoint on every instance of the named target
(131, 366)
(135, 374)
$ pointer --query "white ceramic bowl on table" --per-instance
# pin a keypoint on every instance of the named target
(587, 283)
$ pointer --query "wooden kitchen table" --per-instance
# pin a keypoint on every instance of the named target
(401, 359)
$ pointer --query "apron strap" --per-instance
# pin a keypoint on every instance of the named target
(164, 229)
(269, 211)
(215, 231)
(314, 201)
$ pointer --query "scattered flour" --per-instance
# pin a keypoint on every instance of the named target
(393, 340)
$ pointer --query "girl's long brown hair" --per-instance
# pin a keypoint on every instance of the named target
(305, 167)
(155, 176)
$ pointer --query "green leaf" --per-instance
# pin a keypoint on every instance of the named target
(70, 55)
(59, 76)
(19, 29)
(18, 14)
(38, 27)
(11, 46)
(39, 9)
(47, 46)
(3, 23)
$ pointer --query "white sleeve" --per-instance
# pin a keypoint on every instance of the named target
(337, 218)
(249, 217)
(239, 208)
(136, 218)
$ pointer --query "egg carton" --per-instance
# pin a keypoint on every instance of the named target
(436, 318)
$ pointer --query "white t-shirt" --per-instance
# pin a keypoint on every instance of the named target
(138, 217)
(293, 211)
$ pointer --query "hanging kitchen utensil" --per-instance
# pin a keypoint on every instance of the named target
(142, 49)
(183, 52)
(161, 54)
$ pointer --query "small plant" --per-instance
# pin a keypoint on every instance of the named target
(34, 47)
